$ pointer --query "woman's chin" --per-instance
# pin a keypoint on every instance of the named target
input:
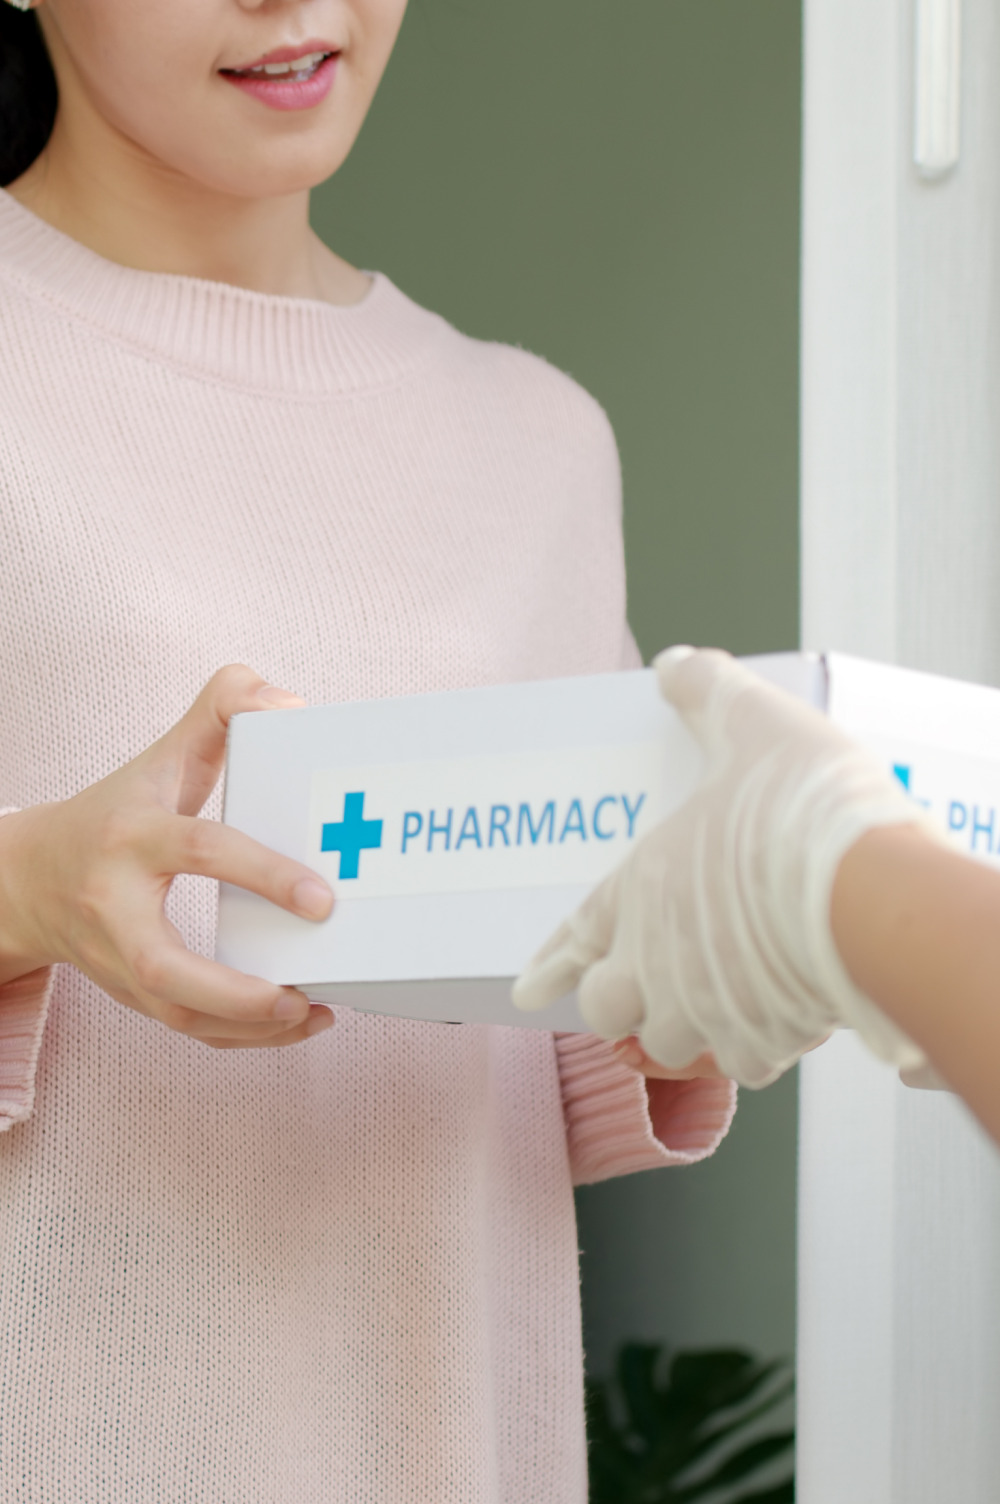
(267, 174)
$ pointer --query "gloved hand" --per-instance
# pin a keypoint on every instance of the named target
(714, 934)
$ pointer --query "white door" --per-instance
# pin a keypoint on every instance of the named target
(899, 1192)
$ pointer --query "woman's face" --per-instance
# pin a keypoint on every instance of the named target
(170, 76)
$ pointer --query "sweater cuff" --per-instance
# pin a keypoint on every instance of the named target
(24, 1006)
(618, 1122)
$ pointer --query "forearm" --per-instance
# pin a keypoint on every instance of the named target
(918, 928)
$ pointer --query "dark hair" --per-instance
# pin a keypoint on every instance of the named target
(27, 92)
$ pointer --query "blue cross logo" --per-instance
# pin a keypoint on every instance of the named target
(904, 773)
(352, 835)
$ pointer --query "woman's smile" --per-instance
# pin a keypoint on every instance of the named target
(288, 78)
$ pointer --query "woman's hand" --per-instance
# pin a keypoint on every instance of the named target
(631, 1053)
(714, 935)
(85, 881)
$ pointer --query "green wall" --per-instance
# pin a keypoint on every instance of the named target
(616, 188)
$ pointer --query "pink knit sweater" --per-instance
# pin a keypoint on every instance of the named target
(343, 1273)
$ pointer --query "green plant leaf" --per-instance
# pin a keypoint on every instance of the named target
(739, 1464)
(637, 1378)
(654, 1423)
(600, 1427)
(688, 1401)
(781, 1493)
(617, 1460)
(719, 1379)
(697, 1375)
(745, 1418)
(702, 1385)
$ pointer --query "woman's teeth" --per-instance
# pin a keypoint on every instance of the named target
(298, 68)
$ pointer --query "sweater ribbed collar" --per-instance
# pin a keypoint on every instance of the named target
(294, 346)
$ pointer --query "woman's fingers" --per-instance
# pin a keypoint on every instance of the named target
(223, 1034)
(210, 849)
(197, 1001)
(97, 869)
(171, 983)
(631, 1053)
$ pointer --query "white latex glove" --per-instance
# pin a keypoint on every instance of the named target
(714, 934)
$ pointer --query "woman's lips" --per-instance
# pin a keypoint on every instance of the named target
(288, 91)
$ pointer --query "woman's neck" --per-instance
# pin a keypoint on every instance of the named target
(127, 207)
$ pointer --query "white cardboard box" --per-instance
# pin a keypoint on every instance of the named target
(458, 829)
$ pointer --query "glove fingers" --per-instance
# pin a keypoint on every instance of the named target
(610, 1000)
(700, 685)
(556, 969)
(690, 677)
(670, 1039)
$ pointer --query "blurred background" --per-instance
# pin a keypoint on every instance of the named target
(617, 189)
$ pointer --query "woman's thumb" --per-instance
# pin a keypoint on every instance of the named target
(193, 751)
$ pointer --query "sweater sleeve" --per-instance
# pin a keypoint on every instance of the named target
(618, 1122)
(631, 657)
(24, 1005)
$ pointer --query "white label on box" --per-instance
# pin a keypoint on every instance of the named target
(962, 793)
(530, 820)
(940, 737)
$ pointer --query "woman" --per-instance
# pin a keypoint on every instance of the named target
(345, 1271)
(798, 891)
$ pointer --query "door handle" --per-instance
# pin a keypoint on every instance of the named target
(938, 91)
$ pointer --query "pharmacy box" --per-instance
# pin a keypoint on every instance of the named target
(458, 829)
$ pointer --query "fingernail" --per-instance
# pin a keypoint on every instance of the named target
(319, 1023)
(312, 899)
(290, 1005)
(279, 699)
